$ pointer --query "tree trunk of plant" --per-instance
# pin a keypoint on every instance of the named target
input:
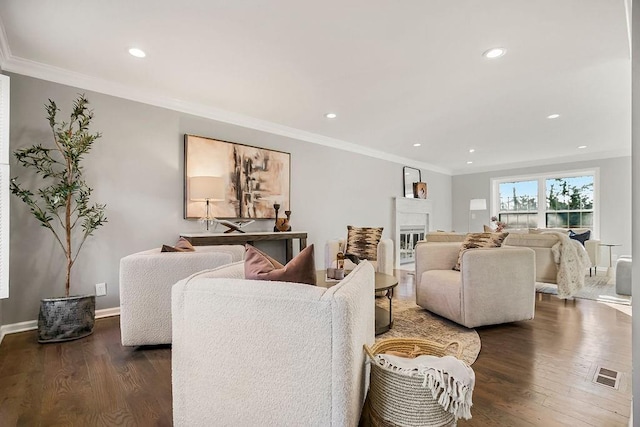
(67, 285)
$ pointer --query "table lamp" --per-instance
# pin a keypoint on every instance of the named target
(206, 189)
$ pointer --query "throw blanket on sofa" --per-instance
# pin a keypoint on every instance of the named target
(450, 380)
(572, 261)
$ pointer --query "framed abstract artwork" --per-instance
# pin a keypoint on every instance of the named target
(252, 179)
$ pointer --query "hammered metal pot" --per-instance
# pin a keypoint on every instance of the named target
(65, 319)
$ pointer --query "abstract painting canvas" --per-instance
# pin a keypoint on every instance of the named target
(255, 178)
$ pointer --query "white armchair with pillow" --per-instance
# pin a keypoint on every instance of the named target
(364, 242)
(248, 352)
(494, 285)
(146, 279)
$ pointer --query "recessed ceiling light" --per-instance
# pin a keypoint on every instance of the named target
(469, 162)
(417, 144)
(472, 150)
(582, 146)
(331, 115)
(553, 116)
(138, 53)
(495, 52)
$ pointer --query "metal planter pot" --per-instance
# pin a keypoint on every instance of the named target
(65, 319)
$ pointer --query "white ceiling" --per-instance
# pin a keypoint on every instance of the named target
(395, 72)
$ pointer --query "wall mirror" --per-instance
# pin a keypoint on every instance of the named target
(409, 176)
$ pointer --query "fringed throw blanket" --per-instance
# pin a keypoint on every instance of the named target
(450, 380)
(572, 261)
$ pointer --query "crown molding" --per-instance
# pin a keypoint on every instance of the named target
(17, 65)
(543, 162)
(62, 76)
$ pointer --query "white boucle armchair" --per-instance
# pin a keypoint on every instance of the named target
(146, 279)
(383, 263)
(249, 352)
(494, 285)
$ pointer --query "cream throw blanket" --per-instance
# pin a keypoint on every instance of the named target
(572, 261)
(450, 380)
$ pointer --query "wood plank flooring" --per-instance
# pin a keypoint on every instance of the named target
(535, 373)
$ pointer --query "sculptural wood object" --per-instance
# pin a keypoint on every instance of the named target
(282, 224)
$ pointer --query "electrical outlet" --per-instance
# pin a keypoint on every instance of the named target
(101, 289)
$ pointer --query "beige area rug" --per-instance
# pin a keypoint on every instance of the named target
(412, 321)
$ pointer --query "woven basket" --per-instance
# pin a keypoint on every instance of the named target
(397, 400)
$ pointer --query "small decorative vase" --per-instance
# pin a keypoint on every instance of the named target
(65, 319)
(282, 224)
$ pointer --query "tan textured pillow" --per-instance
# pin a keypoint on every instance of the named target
(363, 241)
(182, 245)
(480, 240)
(260, 266)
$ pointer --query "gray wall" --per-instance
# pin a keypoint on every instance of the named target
(136, 168)
(615, 198)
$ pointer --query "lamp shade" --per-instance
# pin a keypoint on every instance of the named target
(206, 188)
(478, 205)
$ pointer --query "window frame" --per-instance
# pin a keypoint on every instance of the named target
(542, 193)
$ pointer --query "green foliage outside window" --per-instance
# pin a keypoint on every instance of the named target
(574, 193)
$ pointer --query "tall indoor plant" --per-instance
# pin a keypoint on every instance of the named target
(61, 204)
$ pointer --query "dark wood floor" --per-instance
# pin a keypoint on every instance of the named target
(528, 373)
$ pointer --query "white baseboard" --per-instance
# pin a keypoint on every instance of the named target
(107, 312)
(30, 325)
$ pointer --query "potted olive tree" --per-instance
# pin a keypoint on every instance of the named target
(61, 204)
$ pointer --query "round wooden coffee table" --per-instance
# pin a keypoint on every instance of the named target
(383, 283)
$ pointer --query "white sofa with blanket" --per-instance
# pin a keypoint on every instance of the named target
(146, 279)
(541, 241)
(249, 352)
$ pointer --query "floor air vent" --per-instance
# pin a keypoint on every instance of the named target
(607, 377)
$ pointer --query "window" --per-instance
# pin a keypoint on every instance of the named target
(519, 204)
(570, 202)
(567, 200)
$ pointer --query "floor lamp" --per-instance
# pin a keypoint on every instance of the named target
(206, 189)
(476, 205)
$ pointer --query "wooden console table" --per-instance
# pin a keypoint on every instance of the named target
(202, 239)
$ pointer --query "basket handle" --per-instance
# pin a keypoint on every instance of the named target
(459, 353)
(369, 352)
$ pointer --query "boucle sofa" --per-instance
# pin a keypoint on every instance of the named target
(538, 240)
(249, 352)
(146, 279)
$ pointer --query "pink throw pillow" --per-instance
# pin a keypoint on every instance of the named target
(260, 266)
(182, 245)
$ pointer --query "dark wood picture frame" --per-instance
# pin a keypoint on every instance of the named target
(409, 176)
